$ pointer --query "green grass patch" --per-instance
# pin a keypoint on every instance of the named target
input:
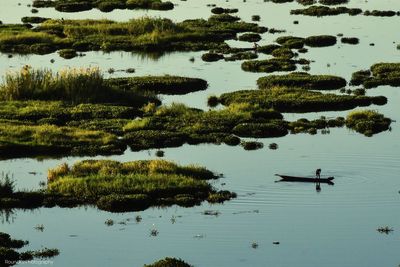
(320, 11)
(169, 85)
(367, 122)
(135, 185)
(169, 262)
(379, 74)
(302, 80)
(298, 100)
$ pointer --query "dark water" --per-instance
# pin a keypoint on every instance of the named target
(335, 227)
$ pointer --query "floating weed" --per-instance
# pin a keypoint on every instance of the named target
(254, 245)
(109, 222)
(39, 227)
(385, 229)
(138, 218)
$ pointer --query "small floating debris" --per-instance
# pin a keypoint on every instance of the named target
(109, 222)
(33, 173)
(273, 146)
(39, 227)
(385, 230)
(154, 232)
(138, 219)
(276, 243)
(211, 212)
(199, 236)
(254, 245)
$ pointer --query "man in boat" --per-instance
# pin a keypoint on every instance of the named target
(318, 173)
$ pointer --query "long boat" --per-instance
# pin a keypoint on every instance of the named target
(287, 178)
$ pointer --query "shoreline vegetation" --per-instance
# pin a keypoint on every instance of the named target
(118, 187)
(102, 5)
(10, 254)
(51, 114)
(143, 34)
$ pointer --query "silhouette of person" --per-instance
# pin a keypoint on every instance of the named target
(318, 173)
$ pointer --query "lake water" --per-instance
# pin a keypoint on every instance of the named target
(335, 227)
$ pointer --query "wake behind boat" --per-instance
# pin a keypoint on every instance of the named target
(287, 178)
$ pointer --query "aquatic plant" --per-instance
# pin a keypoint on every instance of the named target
(211, 57)
(269, 65)
(169, 262)
(297, 100)
(302, 80)
(250, 37)
(320, 11)
(379, 74)
(320, 40)
(9, 254)
(350, 40)
(367, 122)
(333, 2)
(67, 53)
(85, 85)
(166, 84)
(251, 145)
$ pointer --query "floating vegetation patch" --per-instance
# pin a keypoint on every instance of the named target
(135, 185)
(211, 57)
(298, 100)
(367, 122)
(168, 85)
(86, 85)
(103, 5)
(175, 125)
(320, 40)
(302, 80)
(140, 34)
(381, 13)
(22, 140)
(220, 10)
(34, 20)
(306, 2)
(252, 145)
(250, 37)
(320, 11)
(270, 65)
(67, 53)
(350, 40)
(291, 42)
(333, 2)
(379, 74)
(10, 254)
(169, 262)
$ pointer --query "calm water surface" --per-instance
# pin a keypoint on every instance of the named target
(336, 227)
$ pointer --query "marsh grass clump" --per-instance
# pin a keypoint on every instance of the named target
(103, 5)
(159, 153)
(302, 80)
(9, 254)
(306, 2)
(85, 85)
(269, 65)
(212, 101)
(250, 37)
(380, 13)
(129, 186)
(320, 11)
(320, 41)
(34, 20)
(220, 10)
(67, 53)
(167, 84)
(169, 262)
(283, 52)
(367, 122)
(350, 40)
(379, 74)
(7, 185)
(34, 140)
(177, 124)
(251, 145)
(291, 42)
(285, 99)
(333, 2)
(255, 18)
(211, 57)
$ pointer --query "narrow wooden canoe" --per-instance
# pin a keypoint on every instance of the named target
(287, 178)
